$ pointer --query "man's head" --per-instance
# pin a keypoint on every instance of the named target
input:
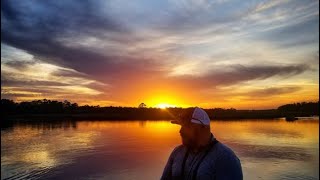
(195, 127)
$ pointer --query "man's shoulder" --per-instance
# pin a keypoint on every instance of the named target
(177, 150)
(224, 150)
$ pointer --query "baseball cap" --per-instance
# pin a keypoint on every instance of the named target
(197, 116)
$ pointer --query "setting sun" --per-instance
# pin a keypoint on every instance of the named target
(164, 106)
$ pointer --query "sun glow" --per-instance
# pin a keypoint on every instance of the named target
(164, 105)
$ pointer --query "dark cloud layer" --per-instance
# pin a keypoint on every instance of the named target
(267, 92)
(236, 74)
(37, 30)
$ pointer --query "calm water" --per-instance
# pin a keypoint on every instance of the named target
(273, 149)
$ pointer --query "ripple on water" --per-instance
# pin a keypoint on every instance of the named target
(294, 176)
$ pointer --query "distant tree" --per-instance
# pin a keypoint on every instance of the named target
(142, 105)
(8, 106)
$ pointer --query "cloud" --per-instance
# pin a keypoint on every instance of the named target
(273, 91)
(37, 80)
(236, 74)
(38, 26)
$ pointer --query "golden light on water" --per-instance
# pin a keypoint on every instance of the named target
(41, 158)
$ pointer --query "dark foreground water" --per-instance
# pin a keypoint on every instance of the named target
(272, 149)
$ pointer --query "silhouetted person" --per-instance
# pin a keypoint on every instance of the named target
(201, 156)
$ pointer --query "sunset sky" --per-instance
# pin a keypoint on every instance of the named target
(223, 53)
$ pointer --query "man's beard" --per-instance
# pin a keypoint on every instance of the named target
(189, 143)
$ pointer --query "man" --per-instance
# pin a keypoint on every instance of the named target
(201, 156)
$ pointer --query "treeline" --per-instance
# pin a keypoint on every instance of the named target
(56, 109)
(47, 109)
(300, 109)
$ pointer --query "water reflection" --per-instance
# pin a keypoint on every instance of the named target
(45, 125)
(35, 148)
(277, 152)
(139, 149)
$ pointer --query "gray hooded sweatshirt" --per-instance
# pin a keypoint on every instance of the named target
(214, 162)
